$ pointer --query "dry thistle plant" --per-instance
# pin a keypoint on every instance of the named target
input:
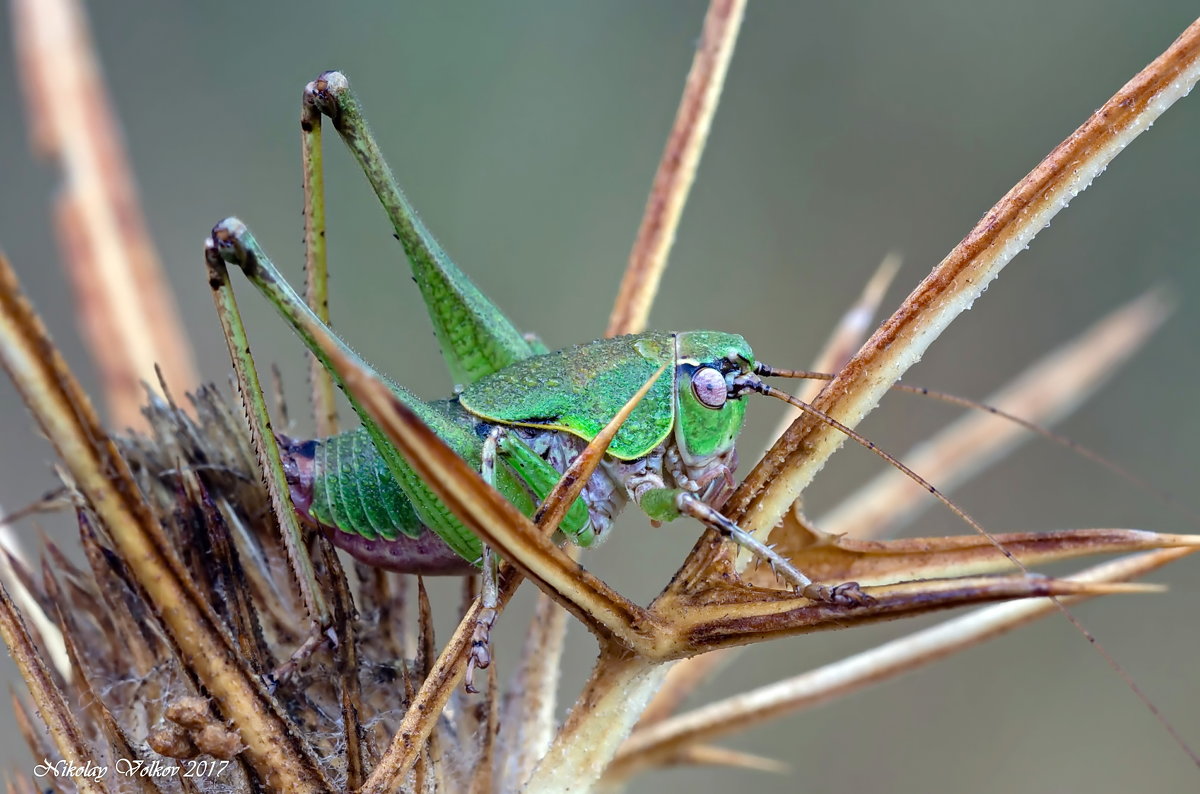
(187, 599)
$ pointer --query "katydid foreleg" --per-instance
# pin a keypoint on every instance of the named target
(666, 504)
(480, 655)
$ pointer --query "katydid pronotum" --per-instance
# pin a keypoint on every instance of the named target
(523, 413)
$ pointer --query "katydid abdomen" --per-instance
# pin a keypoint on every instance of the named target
(343, 485)
(540, 413)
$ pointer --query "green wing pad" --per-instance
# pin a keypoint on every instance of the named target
(580, 389)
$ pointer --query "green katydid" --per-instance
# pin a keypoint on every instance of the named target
(675, 454)
(523, 413)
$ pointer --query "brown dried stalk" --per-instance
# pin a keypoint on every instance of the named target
(677, 168)
(104, 477)
(1044, 393)
(582, 748)
(128, 315)
(657, 744)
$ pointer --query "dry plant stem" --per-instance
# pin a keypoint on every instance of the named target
(425, 759)
(24, 719)
(708, 755)
(658, 743)
(429, 701)
(1044, 393)
(530, 697)
(51, 704)
(128, 314)
(882, 562)
(617, 692)
(273, 749)
(53, 645)
(483, 781)
(682, 679)
(101, 715)
(677, 168)
(622, 682)
(422, 448)
(954, 285)
(348, 665)
(686, 676)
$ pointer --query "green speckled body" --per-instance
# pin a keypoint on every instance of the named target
(576, 390)
(580, 389)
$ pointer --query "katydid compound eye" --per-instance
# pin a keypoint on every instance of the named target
(709, 387)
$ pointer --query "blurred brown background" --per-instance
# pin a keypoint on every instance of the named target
(527, 135)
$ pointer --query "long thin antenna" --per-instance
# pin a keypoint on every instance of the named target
(1045, 432)
(753, 383)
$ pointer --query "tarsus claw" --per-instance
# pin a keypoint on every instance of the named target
(846, 594)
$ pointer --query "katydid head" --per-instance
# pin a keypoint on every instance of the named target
(709, 413)
(713, 371)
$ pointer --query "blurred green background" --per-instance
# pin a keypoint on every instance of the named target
(527, 134)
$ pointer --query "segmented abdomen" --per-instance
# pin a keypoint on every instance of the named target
(354, 491)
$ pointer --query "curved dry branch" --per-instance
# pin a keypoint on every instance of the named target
(677, 168)
(658, 743)
(494, 519)
(273, 748)
(951, 288)
(129, 317)
(1044, 393)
